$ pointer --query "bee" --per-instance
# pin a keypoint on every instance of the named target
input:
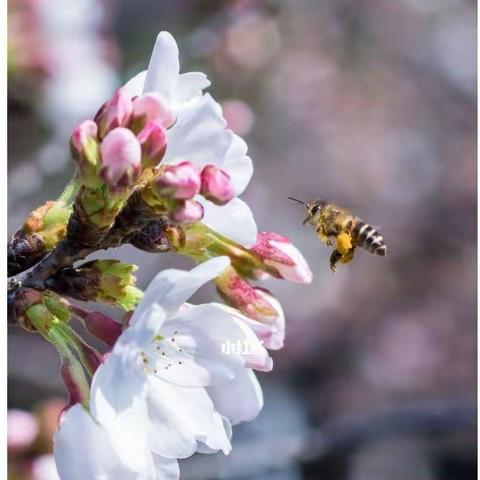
(337, 226)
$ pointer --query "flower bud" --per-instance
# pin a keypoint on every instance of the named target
(115, 113)
(180, 181)
(116, 283)
(49, 221)
(121, 159)
(249, 300)
(281, 258)
(188, 211)
(100, 325)
(151, 107)
(40, 233)
(272, 335)
(75, 380)
(153, 141)
(22, 429)
(39, 310)
(216, 185)
(86, 152)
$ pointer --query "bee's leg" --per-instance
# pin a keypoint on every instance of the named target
(344, 243)
(322, 236)
(334, 259)
(348, 257)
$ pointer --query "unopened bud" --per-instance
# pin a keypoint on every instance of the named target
(216, 185)
(281, 257)
(180, 181)
(39, 310)
(75, 381)
(187, 212)
(115, 282)
(49, 222)
(117, 112)
(151, 107)
(101, 326)
(85, 150)
(272, 334)
(249, 300)
(121, 159)
(153, 141)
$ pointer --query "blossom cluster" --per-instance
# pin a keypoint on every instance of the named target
(159, 169)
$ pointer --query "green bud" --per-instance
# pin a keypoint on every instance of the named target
(108, 281)
(40, 316)
(57, 307)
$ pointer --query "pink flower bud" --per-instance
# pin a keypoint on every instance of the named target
(272, 335)
(100, 325)
(115, 113)
(216, 185)
(82, 134)
(85, 150)
(153, 140)
(152, 107)
(22, 429)
(189, 211)
(121, 158)
(281, 257)
(180, 181)
(251, 301)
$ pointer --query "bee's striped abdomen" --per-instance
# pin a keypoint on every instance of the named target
(367, 237)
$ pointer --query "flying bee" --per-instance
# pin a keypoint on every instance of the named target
(337, 226)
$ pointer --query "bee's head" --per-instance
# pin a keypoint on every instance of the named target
(313, 211)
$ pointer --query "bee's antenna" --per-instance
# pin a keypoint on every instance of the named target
(296, 200)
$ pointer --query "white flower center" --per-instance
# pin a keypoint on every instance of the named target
(164, 353)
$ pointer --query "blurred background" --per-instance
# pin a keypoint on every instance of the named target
(367, 103)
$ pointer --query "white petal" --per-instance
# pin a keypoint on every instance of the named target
(163, 69)
(233, 220)
(134, 87)
(114, 389)
(179, 416)
(238, 165)
(190, 85)
(218, 438)
(85, 450)
(271, 336)
(209, 345)
(171, 288)
(239, 400)
(199, 134)
(166, 468)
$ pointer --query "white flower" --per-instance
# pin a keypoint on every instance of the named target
(83, 450)
(199, 135)
(168, 386)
